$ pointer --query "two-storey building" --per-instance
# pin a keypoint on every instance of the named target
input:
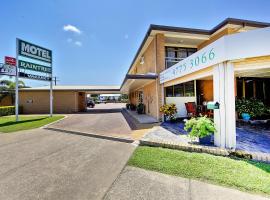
(180, 65)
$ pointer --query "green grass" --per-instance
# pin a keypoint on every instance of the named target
(241, 174)
(8, 123)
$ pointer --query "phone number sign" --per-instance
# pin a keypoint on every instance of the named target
(203, 58)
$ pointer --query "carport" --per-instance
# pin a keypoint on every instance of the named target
(66, 99)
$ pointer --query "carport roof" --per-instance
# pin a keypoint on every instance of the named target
(76, 88)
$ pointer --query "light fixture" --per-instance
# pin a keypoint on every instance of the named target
(142, 60)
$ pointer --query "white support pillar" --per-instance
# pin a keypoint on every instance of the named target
(162, 99)
(230, 106)
(224, 117)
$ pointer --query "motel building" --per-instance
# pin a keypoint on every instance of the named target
(179, 65)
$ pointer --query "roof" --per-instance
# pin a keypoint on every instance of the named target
(75, 88)
(139, 76)
(153, 27)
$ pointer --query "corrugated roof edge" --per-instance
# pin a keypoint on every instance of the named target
(74, 88)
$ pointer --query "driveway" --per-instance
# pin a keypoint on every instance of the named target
(110, 123)
(43, 164)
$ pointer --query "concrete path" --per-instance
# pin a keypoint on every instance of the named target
(42, 164)
(135, 183)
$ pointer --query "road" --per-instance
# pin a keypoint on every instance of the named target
(43, 164)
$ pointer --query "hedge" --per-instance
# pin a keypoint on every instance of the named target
(7, 110)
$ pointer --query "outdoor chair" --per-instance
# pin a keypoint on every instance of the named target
(191, 109)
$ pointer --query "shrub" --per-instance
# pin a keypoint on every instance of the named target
(7, 110)
(200, 127)
(169, 110)
(254, 107)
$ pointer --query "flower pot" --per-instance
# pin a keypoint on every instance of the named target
(207, 140)
(245, 116)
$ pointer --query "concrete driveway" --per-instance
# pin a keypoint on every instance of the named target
(105, 119)
(107, 124)
(43, 164)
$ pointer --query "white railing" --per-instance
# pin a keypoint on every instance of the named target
(170, 61)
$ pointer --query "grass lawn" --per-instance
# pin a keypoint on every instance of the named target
(8, 123)
(241, 174)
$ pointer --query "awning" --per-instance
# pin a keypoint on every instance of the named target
(137, 81)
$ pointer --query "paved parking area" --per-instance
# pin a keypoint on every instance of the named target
(43, 164)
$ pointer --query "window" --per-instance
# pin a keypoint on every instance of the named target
(191, 51)
(176, 54)
(169, 91)
(181, 90)
(189, 89)
(181, 53)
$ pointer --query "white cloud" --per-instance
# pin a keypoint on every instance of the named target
(69, 40)
(71, 28)
(78, 43)
(126, 36)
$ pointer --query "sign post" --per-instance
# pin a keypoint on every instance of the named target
(51, 98)
(17, 83)
(33, 59)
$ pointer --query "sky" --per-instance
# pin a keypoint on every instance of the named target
(94, 42)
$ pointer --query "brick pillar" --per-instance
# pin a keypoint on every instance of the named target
(160, 66)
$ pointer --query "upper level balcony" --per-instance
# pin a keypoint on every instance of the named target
(176, 54)
(170, 61)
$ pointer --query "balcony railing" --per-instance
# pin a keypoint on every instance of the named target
(170, 61)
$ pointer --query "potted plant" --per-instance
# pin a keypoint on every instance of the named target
(132, 107)
(249, 108)
(169, 111)
(140, 108)
(201, 127)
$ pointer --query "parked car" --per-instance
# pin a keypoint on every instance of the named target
(90, 104)
(101, 101)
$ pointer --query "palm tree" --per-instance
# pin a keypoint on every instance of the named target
(7, 88)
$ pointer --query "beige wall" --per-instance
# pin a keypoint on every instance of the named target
(154, 61)
(150, 99)
(81, 101)
(64, 102)
(149, 61)
(226, 31)
(6, 101)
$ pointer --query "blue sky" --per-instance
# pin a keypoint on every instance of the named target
(94, 42)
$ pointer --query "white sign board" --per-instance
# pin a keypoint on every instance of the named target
(237, 46)
(8, 70)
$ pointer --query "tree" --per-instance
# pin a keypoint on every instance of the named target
(7, 88)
